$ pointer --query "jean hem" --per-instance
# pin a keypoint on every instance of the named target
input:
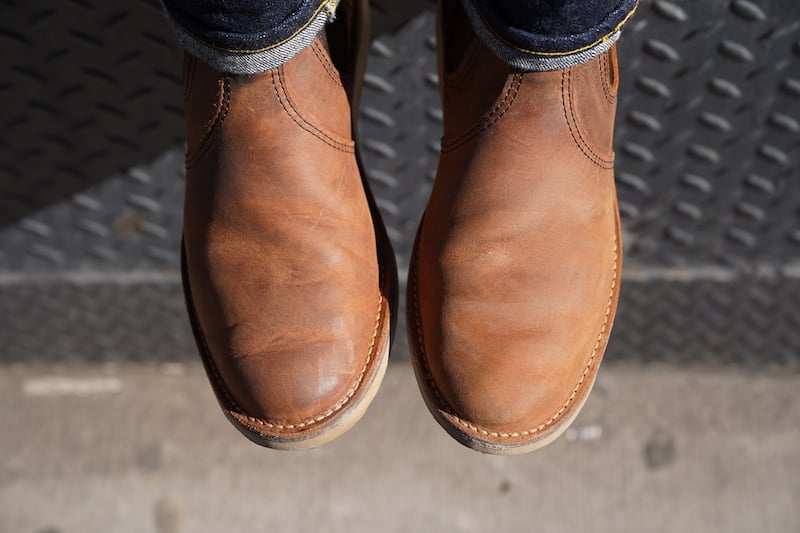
(245, 62)
(530, 60)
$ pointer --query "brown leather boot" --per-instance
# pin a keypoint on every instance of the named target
(515, 275)
(288, 275)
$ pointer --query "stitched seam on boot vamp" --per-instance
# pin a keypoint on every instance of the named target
(494, 116)
(278, 82)
(605, 70)
(326, 63)
(574, 128)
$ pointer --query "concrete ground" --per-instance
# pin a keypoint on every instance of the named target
(146, 449)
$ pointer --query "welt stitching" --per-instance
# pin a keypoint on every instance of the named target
(566, 93)
(213, 132)
(348, 396)
(557, 414)
(382, 276)
(326, 64)
(218, 378)
(298, 119)
(329, 412)
(492, 118)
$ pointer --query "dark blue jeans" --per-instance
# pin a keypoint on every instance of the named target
(248, 36)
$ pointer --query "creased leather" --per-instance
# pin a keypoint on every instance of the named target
(279, 243)
(515, 278)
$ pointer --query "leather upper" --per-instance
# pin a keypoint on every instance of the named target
(279, 242)
(516, 275)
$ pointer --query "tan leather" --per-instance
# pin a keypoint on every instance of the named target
(289, 305)
(515, 276)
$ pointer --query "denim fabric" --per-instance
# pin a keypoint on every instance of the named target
(241, 25)
(250, 36)
(554, 26)
(548, 34)
(247, 36)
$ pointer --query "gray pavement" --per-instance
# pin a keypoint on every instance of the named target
(144, 448)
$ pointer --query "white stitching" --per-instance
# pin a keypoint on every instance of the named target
(553, 418)
(342, 402)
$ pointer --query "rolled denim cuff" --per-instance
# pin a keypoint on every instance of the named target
(533, 52)
(265, 57)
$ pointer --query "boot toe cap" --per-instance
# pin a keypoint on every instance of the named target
(293, 390)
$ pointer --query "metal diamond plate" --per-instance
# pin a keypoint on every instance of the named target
(708, 135)
(89, 89)
(702, 323)
(708, 171)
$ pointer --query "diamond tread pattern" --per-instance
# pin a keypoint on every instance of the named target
(708, 161)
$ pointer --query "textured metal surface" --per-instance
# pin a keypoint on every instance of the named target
(708, 138)
(708, 169)
(71, 321)
(129, 222)
(401, 123)
(700, 323)
(707, 322)
(88, 89)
